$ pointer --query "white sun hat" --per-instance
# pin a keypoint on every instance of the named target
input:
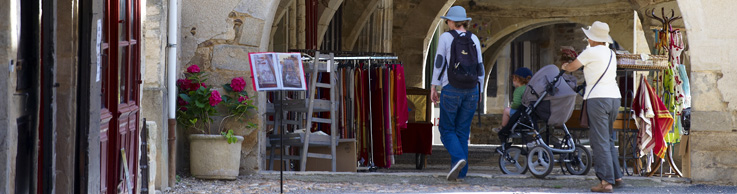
(456, 14)
(599, 32)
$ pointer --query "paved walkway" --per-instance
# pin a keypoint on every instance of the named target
(432, 180)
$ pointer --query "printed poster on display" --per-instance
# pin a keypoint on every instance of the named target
(277, 71)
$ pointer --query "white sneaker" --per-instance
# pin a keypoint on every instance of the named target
(496, 129)
(453, 174)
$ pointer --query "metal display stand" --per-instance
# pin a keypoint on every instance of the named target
(630, 135)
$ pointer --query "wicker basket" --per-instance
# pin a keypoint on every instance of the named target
(634, 61)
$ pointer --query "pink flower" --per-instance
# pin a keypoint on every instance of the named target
(238, 84)
(193, 69)
(184, 84)
(181, 101)
(241, 99)
(180, 82)
(196, 86)
(215, 98)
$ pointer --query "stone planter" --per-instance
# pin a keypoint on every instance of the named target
(211, 157)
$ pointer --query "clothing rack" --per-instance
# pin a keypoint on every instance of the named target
(386, 56)
(371, 167)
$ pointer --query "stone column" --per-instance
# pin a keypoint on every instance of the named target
(387, 26)
(8, 53)
(712, 142)
(292, 25)
(301, 24)
(153, 105)
(66, 94)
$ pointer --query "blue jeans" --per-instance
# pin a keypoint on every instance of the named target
(457, 107)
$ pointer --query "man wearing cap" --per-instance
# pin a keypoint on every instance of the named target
(457, 105)
(602, 103)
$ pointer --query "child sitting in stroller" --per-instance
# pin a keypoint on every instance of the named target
(522, 97)
(519, 79)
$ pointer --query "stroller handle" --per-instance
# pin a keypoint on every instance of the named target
(550, 87)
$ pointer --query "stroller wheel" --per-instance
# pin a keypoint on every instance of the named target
(540, 161)
(513, 161)
(579, 162)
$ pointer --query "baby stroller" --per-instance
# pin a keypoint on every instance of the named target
(548, 100)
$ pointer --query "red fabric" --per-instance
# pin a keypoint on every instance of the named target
(396, 110)
(376, 122)
(417, 138)
(362, 111)
(401, 89)
(662, 122)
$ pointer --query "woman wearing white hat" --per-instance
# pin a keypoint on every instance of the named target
(602, 103)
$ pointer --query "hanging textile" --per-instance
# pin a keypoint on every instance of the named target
(686, 86)
(400, 103)
(387, 116)
(672, 97)
(401, 95)
(653, 120)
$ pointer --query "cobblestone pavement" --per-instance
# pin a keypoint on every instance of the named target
(431, 181)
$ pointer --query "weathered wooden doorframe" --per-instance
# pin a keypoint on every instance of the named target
(120, 89)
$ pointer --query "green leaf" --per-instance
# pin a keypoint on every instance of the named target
(200, 104)
(185, 97)
(193, 121)
(225, 98)
(228, 88)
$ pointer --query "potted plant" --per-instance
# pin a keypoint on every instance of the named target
(214, 150)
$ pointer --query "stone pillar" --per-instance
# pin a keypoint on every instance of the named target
(387, 28)
(301, 24)
(292, 25)
(66, 94)
(154, 136)
(714, 127)
(154, 99)
(496, 105)
(9, 22)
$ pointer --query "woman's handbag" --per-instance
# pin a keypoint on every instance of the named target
(584, 116)
(584, 113)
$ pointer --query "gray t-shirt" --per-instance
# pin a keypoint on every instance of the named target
(442, 58)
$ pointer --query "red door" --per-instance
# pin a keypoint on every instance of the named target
(120, 95)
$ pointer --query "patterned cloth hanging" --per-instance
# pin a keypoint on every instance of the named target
(653, 120)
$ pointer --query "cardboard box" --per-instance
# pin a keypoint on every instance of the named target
(345, 153)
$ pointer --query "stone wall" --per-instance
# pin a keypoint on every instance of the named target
(9, 10)
(412, 21)
(714, 127)
(154, 90)
(482, 134)
(218, 37)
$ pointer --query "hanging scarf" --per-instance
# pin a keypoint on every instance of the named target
(653, 120)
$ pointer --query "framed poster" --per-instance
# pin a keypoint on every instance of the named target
(277, 71)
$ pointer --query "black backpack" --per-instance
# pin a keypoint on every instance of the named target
(463, 68)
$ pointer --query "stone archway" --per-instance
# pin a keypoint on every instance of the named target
(495, 46)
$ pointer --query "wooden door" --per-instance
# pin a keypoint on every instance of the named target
(120, 94)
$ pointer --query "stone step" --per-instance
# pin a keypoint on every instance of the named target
(478, 155)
